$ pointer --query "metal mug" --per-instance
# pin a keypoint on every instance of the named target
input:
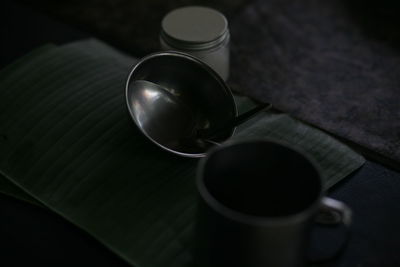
(258, 202)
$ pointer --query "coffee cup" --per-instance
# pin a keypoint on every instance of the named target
(258, 202)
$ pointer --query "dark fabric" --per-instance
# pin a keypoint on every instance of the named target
(33, 236)
(23, 29)
(323, 62)
(373, 195)
(133, 26)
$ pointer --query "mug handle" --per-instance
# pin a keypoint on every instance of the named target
(333, 212)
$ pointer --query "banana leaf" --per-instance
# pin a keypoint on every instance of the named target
(67, 142)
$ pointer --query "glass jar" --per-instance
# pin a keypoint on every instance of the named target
(199, 31)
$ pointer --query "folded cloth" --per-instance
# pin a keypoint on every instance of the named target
(319, 62)
(67, 140)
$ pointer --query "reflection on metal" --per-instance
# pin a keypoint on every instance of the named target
(171, 96)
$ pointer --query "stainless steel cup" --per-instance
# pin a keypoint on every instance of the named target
(258, 202)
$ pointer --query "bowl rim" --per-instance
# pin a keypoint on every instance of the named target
(212, 72)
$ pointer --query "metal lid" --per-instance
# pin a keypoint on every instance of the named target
(194, 27)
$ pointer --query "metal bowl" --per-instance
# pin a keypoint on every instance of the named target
(172, 95)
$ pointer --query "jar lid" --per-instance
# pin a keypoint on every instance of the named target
(194, 27)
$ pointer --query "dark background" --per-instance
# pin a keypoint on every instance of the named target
(131, 25)
(34, 236)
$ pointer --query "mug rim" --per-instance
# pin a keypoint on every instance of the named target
(249, 219)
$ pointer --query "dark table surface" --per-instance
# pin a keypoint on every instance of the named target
(32, 235)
